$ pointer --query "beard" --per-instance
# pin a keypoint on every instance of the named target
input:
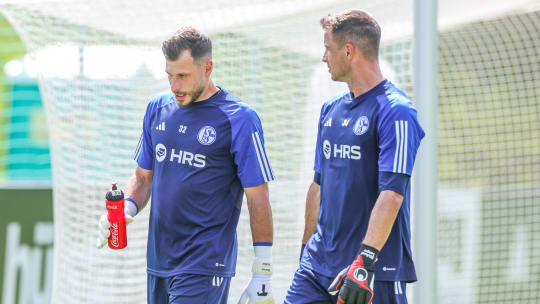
(195, 94)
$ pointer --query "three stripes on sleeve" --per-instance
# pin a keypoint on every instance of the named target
(400, 156)
(266, 171)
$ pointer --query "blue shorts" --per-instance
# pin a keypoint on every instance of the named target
(310, 287)
(188, 288)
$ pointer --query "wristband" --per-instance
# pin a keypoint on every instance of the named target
(369, 256)
(132, 208)
(263, 250)
(263, 258)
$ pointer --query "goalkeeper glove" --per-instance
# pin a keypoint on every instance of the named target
(355, 283)
(130, 210)
(259, 288)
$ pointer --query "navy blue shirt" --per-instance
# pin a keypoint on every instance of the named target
(201, 157)
(365, 145)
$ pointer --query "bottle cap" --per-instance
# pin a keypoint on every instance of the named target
(114, 194)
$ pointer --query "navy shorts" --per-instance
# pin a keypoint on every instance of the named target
(310, 287)
(187, 289)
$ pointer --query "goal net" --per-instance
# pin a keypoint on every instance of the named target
(100, 63)
(489, 160)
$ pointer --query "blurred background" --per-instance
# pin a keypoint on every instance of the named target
(75, 78)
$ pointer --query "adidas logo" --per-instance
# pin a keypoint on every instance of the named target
(217, 281)
(161, 126)
(328, 123)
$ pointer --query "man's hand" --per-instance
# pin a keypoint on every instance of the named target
(258, 291)
(355, 283)
(130, 210)
(259, 288)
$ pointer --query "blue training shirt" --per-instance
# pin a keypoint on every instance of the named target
(201, 157)
(365, 145)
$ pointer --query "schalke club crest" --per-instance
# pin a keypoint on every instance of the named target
(361, 126)
(207, 135)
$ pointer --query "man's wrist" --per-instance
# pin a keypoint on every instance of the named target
(130, 207)
(263, 250)
(369, 256)
(263, 258)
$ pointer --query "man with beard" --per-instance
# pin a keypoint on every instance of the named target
(200, 150)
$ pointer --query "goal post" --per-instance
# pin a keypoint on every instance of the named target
(425, 180)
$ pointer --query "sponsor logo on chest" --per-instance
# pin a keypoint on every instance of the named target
(340, 151)
(179, 156)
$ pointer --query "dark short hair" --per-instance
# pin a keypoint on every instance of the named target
(187, 38)
(357, 27)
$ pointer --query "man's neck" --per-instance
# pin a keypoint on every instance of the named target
(364, 77)
(209, 91)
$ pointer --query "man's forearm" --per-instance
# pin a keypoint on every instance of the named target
(139, 187)
(382, 218)
(260, 214)
(313, 201)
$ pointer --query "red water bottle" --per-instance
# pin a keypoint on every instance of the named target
(115, 209)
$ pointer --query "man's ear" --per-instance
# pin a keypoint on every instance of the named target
(208, 66)
(349, 50)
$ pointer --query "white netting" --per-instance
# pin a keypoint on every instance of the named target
(489, 128)
(268, 53)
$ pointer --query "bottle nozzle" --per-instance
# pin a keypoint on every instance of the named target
(114, 186)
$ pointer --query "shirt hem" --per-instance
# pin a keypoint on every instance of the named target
(255, 184)
(391, 170)
(394, 279)
(143, 165)
(166, 274)
(379, 277)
